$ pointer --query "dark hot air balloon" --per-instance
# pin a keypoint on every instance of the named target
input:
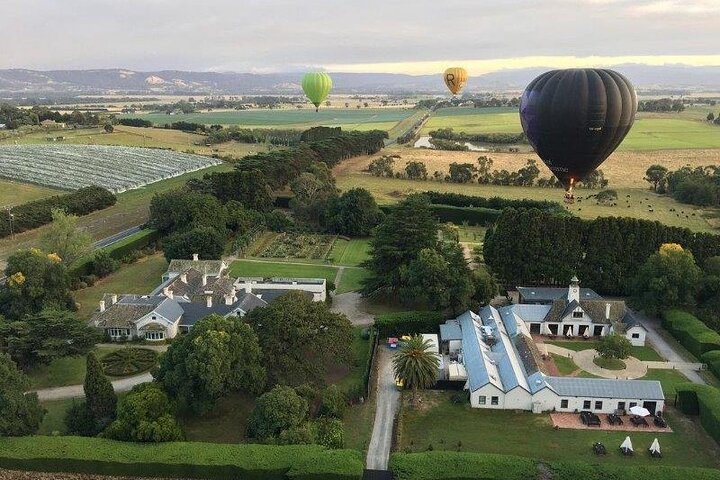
(575, 118)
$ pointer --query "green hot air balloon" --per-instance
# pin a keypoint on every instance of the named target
(316, 86)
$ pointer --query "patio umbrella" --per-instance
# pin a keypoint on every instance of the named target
(626, 445)
(655, 447)
(639, 411)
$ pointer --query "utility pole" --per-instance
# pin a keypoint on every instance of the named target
(11, 217)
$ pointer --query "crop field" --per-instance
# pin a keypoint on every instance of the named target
(15, 193)
(295, 245)
(138, 137)
(651, 131)
(350, 118)
(115, 168)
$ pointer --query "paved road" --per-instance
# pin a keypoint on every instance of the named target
(76, 391)
(387, 401)
(107, 241)
(665, 349)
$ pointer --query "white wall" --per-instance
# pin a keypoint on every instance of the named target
(640, 341)
(488, 391)
(319, 291)
(454, 346)
(609, 405)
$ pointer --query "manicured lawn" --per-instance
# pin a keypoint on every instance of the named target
(140, 277)
(565, 365)
(54, 419)
(609, 363)
(646, 353)
(351, 280)
(358, 423)
(441, 424)
(225, 423)
(669, 379)
(246, 268)
(352, 252)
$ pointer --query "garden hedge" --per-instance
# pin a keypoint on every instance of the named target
(703, 400)
(712, 359)
(179, 459)
(438, 465)
(39, 212)
(408, 323)
(495, 203)
(368, 365)
(119, 250)
(691, 332)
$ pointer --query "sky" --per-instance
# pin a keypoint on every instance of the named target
(395, 36)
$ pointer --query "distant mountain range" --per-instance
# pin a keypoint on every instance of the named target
(21, 82)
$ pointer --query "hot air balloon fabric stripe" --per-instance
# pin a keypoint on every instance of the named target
(455, 79)
(317, 86)
(575, 118)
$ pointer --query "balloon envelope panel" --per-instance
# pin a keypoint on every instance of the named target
(575, 118)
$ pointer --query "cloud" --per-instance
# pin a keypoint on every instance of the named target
(677, 7)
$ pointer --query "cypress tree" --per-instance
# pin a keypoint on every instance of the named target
(100, 397)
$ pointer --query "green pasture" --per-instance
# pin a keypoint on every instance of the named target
(652, 131)
(350, 118)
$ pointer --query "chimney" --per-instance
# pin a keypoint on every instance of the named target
(195, 257)
(204, 279)
(183, 277)
(168, 293)
(228, 299)
(113, 299)
(208, 301)
(607, 311)
(102, 305)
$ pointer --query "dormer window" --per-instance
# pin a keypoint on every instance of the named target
(578, 314)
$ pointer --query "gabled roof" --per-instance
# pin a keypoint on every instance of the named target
(548, 294)
(193, 286)
(450, 330)
(630, 321)
(196, 311)
(211, 267)
(130, 308)
(594, 309)
(606, 388)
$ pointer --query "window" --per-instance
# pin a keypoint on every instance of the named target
(598, 405)
(154, 335)
(494, 400)
(482, 400)
(564, 403)
(621, 405)
(578, 314)
(635, 335)
(586, 405)
(633, 404)
(118, 332)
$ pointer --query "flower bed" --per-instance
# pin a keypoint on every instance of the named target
(295, 245)
(128, 361)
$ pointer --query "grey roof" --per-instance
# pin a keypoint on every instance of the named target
(594, 309)
(630, 320)
(450, 330)
(211, 267)
(472, 354)
(283, 280)
(130, 308)
(606, 388)
(271, 294)
(530, 313)
(503, 352)
(193, 286)
(196, 311)
(548, 294)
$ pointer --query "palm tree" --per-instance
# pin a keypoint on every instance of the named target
(415, 365)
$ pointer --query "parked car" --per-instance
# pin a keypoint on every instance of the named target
(589, 419)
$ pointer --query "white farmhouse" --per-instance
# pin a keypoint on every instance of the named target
(502, 370)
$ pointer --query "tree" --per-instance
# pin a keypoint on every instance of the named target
(100, 398)
(218, 356)
(606, 197)
(300, 339)
(614, 346)
(462, 172)
(20, 412)
(205, 241)
(710, 117)
(80, 421)
(103, 264)
(354, 213)
(65, 239)
(145, 415)
(305, 434)
(248, 187)
(460, 286)
(184, 210)
(484, 169)
(409, 228)
(669, 278)
(109, 128)
(382, 166)
(427, 278)
(416, 171)
(313, 190)
(415, 365)
(656, 175)
(43, 337)
(278, 410)
(484, 285)
(36, 281)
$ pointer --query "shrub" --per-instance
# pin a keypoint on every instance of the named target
(135, 122)
(712, 359)
(279, 409)
(301, 435)
(330, 432)
(79, 420)
(408, 323)
(691, 332)
(179, 459)
(703, 400)
(460, 466)
(333, 402)
(103, 264)
(128, 361)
